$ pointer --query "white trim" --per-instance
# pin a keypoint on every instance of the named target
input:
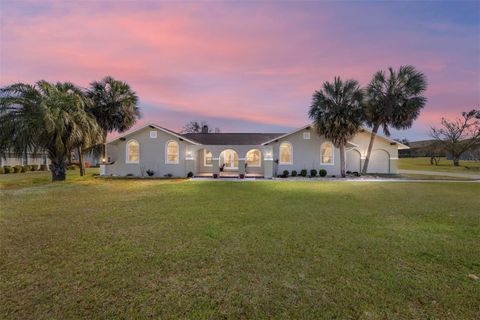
(259, 158)
(189, 158)
(204, 158)
(153, 134)
(280, 155)
(159, 128)
(215, 159)
(333, 154)
(166, 152)
(267, 159)
(393, 158)
(126, 151)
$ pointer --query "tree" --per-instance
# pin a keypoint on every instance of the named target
(337, 113)
(394, 101)
(114, 105)
(197, 127)
(460, 135)
(45, 116)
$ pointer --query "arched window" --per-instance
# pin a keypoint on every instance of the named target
(207, 158)
(286, 154)
(171, 154)
(326, 153)
(133, 151)
(253, 158)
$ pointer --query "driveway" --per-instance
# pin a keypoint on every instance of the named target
(445, 174)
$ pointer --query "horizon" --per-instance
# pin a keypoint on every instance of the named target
(245, 67)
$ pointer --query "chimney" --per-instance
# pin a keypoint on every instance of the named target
(205, 129)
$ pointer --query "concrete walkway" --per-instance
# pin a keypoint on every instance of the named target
(445, 174)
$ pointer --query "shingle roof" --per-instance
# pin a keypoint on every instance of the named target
(231, 138)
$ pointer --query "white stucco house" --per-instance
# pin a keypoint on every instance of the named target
(164, 152)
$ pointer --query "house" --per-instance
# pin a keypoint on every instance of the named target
(166, 152)
(29, 158)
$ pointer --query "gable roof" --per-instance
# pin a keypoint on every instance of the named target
(152, 125)
(231, 138)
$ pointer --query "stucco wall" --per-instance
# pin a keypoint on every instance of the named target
(152, 155)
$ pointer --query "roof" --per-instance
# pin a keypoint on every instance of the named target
(231, 138)
(152, 125)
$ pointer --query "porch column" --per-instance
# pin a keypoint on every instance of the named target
(268, 163)
(189, 161)
(215, 166)
(241, 166)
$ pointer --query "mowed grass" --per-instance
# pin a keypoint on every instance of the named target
(134, 249)
(423, 164)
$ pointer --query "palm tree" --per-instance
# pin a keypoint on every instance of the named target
(114, 105)
(45, 116)
(395, 101)
(337, 113)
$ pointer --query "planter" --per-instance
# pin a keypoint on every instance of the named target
(241, 175)
(215, 175)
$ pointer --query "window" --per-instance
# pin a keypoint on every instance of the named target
(153, 134)
(285, 153)
(253, 158)
(306, 135)
(133, 151)
(326, 153)
(172, 152)
(207, 158)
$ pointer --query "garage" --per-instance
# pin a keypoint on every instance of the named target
(353, 161)
(379, 162)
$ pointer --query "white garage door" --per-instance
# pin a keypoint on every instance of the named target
(353, 161)
(379, 162)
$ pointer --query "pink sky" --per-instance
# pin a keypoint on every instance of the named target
(244, 66)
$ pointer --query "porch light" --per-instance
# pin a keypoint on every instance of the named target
(104, 160)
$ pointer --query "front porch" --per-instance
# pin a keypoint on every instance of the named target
(228, 174)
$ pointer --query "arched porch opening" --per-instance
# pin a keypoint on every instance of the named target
(228, 160)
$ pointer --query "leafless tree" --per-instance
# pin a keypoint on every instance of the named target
(460, 135)
(197, 127)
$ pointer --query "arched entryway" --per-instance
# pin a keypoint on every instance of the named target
(228, 160)
(353, 160)
(379, 162)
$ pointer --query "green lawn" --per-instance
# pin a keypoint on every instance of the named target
(133, 249)
(444, 165)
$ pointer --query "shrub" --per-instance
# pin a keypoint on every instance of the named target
(43, 167)
(129, 174)
(215, 175)
(8, 169)
(25, 169)
(322, 172)
(168, 175)
(2, 171)
(150, 172)
(285, 173)
(34, 167)
(17, 169)
(294, 173)
(303, 173)
(190, 174)
(313, 173)
(241, 175)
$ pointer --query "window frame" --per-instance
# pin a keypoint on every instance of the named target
(259, 158)
(166, 152)
(127, 160)
(280, 153)
(153, 134)
(332, 155)
(205, 164)
(306, 135)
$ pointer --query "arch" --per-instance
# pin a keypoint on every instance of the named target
(132, 151)
(228, 159)
(379, 161)
(172, 152)
(253, 158)
(353, 160)
(285, 152)
(326, 154)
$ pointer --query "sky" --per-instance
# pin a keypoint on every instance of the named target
(245, 66)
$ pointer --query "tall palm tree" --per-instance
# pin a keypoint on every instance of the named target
(114, 105)
(394, 101)
(45, 116)
(337, 113)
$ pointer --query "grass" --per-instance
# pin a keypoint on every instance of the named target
(445, 165)
(109, 249)
(412, 176)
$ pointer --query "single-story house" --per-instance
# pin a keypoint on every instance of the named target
(165, 152)
(29, 158)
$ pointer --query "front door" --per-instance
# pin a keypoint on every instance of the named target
(230, 160)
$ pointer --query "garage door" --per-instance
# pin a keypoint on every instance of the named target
(353, 161)
(379, 162)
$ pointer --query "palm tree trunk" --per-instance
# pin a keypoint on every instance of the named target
(370, 146)
(342, 160)
(58, 169)
(104, 147)
(81, 161)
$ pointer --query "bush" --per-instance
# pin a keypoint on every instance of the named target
(285, 173)
(150, 172)
(129, 174)
(190, 174)
(8, 169)
(294, 173)
(2, 171)
(43, 167)
(168, 175)
(34, 167)
(17, 169)
(303, 173)
(323, 172)
(313, 173)
(25, 169)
